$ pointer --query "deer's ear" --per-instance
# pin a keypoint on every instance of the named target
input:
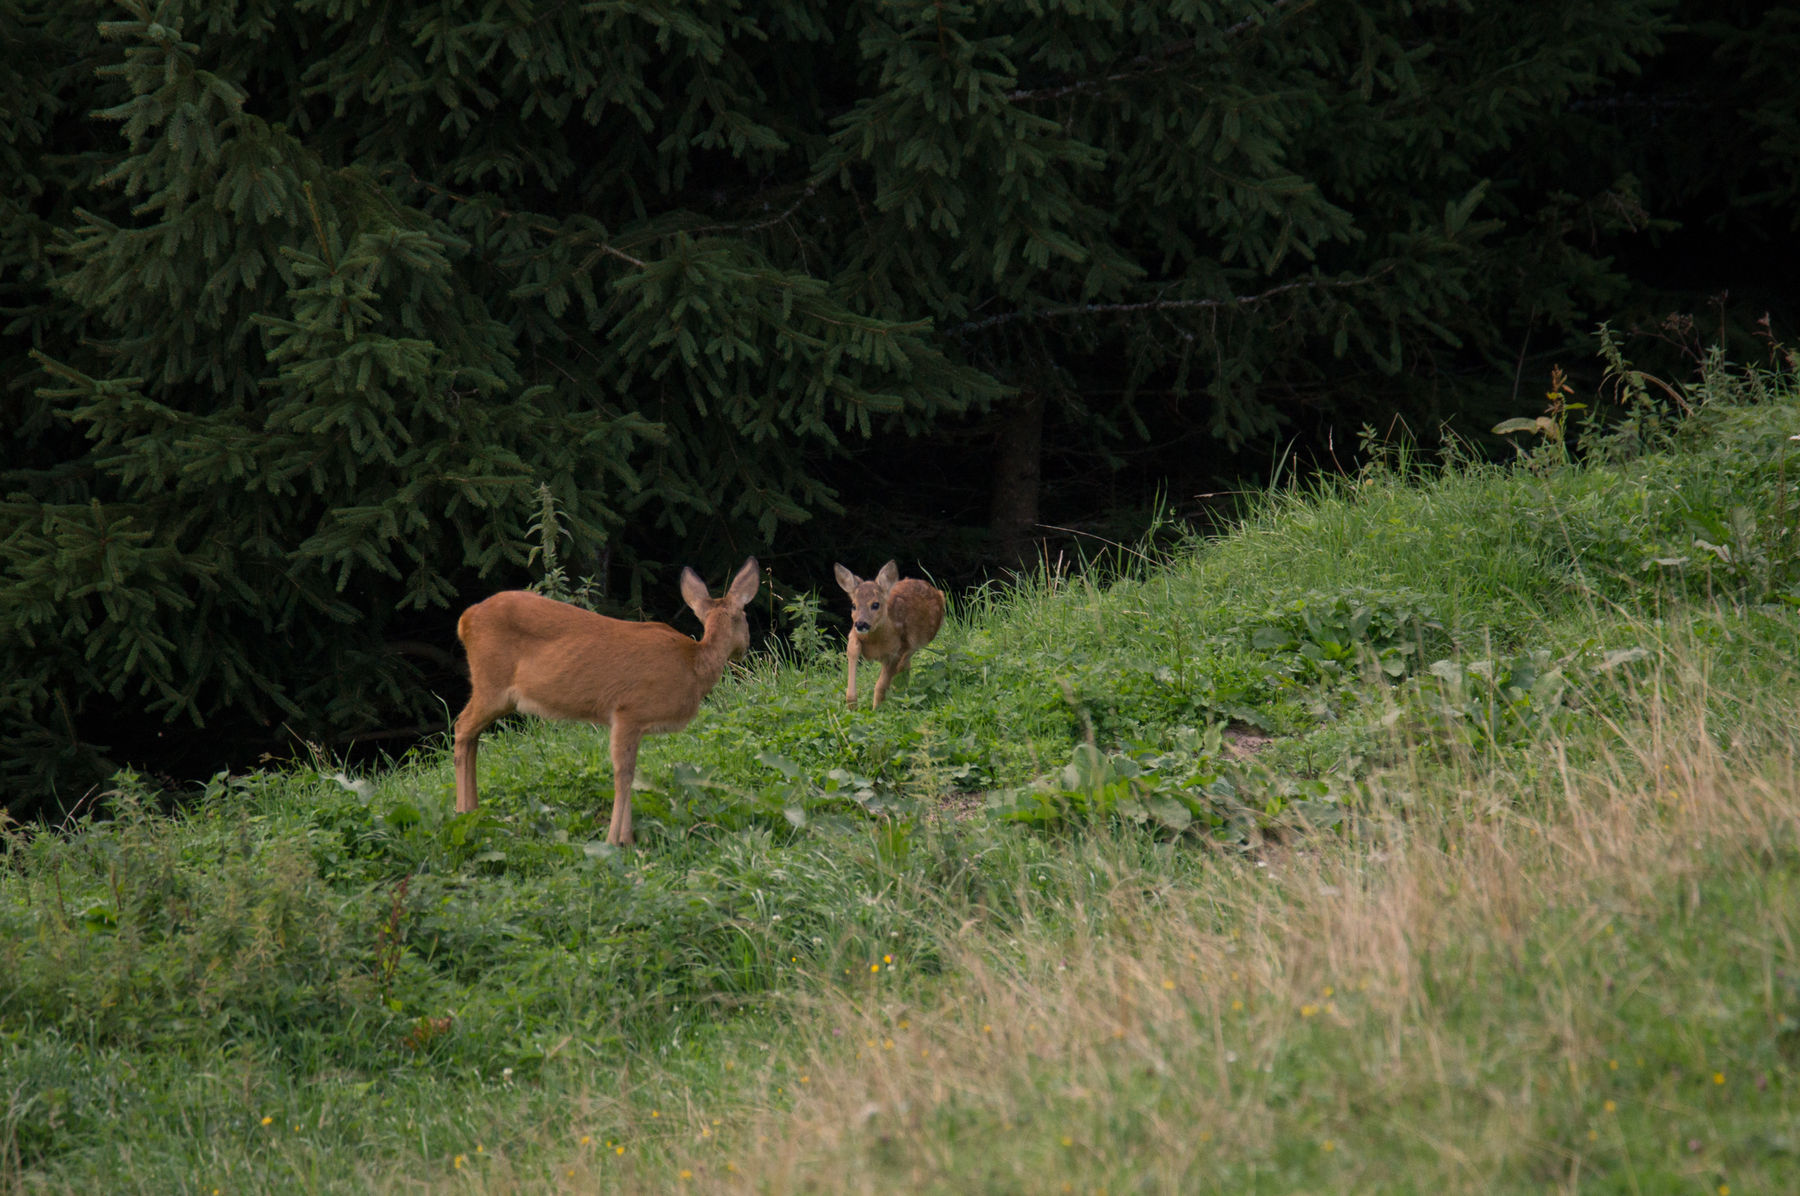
(846, 579)
(693, 592)
(745, 584)
(890, 573)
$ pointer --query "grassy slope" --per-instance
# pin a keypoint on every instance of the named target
(1551, 940)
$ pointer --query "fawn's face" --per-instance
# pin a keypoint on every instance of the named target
(868, 605)
(868, 599)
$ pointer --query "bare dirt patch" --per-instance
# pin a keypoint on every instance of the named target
(1243, 742)
(960, 806)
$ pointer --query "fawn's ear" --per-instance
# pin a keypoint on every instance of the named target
(693, 592)
(890, 573)
(846, 579)
(745, 584)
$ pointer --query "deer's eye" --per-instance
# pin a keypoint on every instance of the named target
(874, 606)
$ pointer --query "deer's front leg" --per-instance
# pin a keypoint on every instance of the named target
(624, 761)
(852, 654)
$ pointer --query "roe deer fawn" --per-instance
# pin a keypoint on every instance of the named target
(890, 620)
(532, 653)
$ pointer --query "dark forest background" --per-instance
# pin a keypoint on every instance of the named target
(306, 304)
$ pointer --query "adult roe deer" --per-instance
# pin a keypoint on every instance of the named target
(890, 619)
(544, 657)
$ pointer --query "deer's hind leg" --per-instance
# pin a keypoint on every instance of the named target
(475, 718)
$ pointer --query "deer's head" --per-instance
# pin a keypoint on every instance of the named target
(868, 599)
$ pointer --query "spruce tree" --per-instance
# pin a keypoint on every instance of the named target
(306, 300)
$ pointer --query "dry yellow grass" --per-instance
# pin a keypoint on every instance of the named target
(1418, 1000)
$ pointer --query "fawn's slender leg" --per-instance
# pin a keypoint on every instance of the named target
(853, 654)
(625, 738)
(889, 671)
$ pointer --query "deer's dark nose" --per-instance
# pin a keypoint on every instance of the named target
(862, 624)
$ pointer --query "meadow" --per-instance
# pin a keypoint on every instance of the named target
(1435, 828)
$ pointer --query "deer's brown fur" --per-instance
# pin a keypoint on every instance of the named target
(533, 654)
(890, 619)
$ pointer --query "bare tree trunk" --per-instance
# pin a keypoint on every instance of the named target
(1018, 476)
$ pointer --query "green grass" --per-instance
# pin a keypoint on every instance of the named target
(1509, 903)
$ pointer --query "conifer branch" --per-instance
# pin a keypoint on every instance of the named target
(807, 193)
(1146, 65)
(543, 226)
(535, 224)
(1102, 309)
